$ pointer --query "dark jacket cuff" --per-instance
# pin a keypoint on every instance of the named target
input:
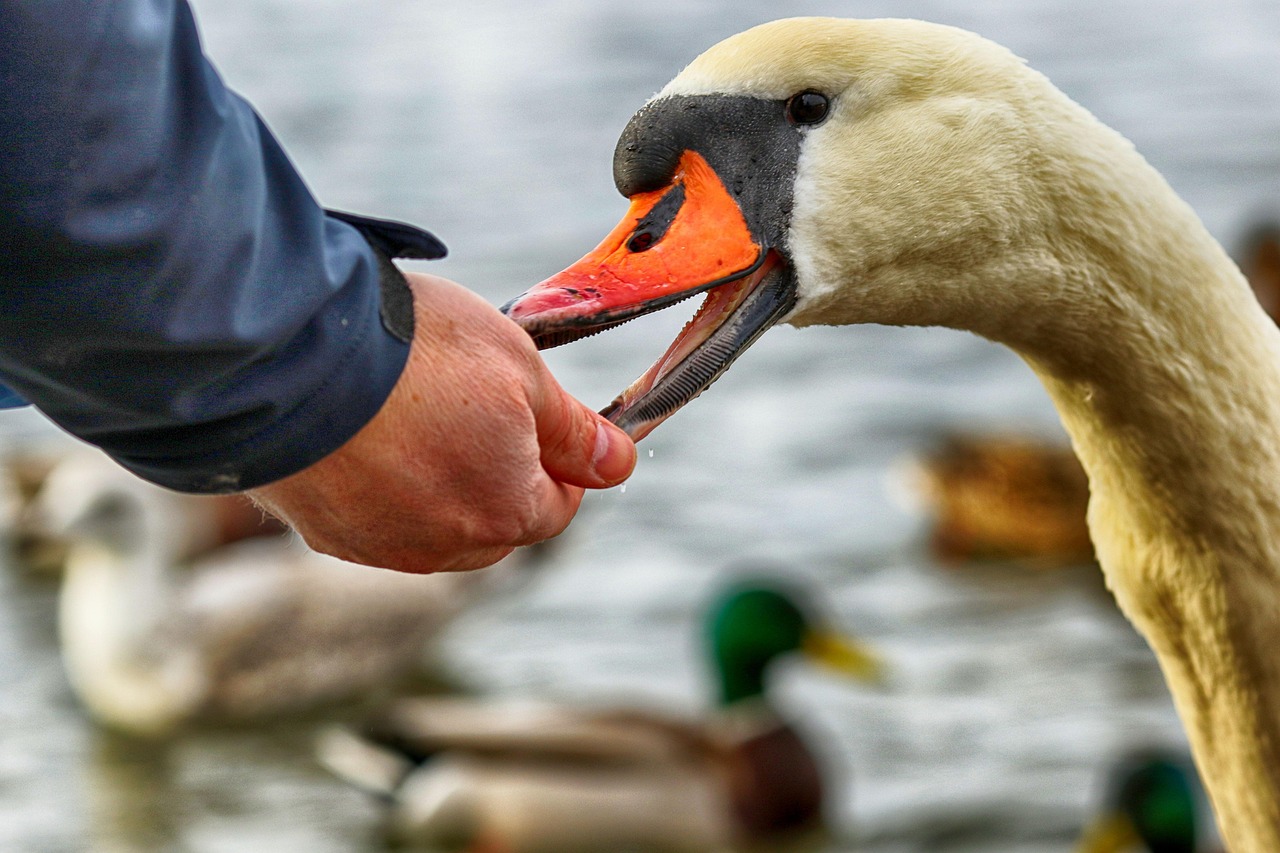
(326, 419)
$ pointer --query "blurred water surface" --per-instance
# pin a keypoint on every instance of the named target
(493, 123)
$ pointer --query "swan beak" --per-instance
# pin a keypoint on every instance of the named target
(842, 654)
(1113, 833)
(681, 239)
(674, 241)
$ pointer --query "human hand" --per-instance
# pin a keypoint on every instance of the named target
(477, 450)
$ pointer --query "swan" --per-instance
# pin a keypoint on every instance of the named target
(157, 630)
(541, 778)
(1021, 498)
(826, 171)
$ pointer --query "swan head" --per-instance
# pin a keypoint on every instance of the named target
(814, 170)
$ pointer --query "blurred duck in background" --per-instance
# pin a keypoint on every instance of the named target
(1018, 498)
(1005, 497)
(211, 521)
(1259, 259)
(1154, 804)
(536, 779)
(159, 628)
(23, 471)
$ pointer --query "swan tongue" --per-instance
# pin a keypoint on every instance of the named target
(732, 318)
(681, 239)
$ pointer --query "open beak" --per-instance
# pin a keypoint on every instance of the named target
(685, 238)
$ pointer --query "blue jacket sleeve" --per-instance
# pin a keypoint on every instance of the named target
(169, 289)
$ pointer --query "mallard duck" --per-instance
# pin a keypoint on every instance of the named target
(158, 630)
(1005, 497)
(1154, 804)
(468, 774)
(825, 171)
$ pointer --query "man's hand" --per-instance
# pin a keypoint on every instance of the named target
(477, 450)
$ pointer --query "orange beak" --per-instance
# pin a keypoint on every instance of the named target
(682, 239)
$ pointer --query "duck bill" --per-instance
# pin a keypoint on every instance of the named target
(844, 655)
(1113, 833)
(679, 240)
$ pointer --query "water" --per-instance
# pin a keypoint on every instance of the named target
(493, 123)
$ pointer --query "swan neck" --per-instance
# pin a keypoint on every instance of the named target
(1168, 382)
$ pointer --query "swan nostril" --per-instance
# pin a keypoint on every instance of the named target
(640, 242)
(653, 227)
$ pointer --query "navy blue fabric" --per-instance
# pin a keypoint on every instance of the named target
(169, 289)
(10, 400)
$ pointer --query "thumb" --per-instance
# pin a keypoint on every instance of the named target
(579, 447)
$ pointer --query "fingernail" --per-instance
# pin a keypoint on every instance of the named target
(614, 456)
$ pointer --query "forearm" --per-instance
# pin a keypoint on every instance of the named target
(169, 290)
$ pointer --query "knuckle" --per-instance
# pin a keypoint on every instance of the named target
(562, 436)
(506, 529)
(521, 520)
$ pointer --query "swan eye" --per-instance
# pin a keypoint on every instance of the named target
(808, 107)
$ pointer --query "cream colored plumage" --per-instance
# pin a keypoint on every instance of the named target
(954, 186)
(153, 638)
(949, 184)
(1022, 498)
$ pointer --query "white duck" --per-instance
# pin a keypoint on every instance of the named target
(211, 521)
(824, 171)
(153, 638)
